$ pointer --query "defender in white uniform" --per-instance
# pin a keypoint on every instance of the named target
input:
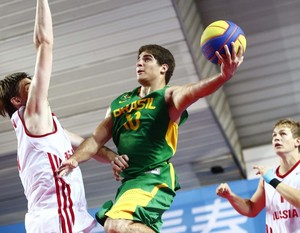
(281, 215)
(55, 204)
(279, 188)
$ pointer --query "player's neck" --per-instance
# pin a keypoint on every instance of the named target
(146, 90)
(288, 161)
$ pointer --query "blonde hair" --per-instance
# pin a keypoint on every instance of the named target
(290, 123)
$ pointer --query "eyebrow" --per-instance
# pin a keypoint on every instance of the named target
(281, 130)
(146, 55)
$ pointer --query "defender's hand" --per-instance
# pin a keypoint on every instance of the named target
(223, 190)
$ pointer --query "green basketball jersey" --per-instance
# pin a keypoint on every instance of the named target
(142, 129)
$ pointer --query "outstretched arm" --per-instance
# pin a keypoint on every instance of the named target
(247, 207)
(89, 147)
(103, 155)
(181, 97)
(37, 113)
(94, 143)
(93, 146)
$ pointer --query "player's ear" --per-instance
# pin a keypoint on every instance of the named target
(16, 101)
(164, 68)
(298, 142)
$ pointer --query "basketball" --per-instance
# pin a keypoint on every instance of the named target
(219, 33)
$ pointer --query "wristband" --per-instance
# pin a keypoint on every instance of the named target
(274, 182)
(269, 175)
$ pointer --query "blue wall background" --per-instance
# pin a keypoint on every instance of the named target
(199, 210)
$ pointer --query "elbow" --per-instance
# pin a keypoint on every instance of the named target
(43, 46)
(254, 212)
(43, 39)
(252, 215)
(251, 210)
(248, 214)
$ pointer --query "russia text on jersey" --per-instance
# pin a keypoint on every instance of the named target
(285, 214)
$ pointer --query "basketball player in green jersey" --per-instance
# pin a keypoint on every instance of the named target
(144, 125)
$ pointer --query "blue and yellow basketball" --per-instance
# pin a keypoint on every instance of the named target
(219, 33)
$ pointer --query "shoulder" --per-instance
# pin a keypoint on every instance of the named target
(171, 88)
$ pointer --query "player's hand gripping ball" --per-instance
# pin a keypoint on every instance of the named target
(219, 33)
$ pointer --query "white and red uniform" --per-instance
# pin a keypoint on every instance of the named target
(54, 204)
(281, 216)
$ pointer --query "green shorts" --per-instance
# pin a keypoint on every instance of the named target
(144, 198)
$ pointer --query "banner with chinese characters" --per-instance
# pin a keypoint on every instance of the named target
(202, 211)
(199, 210)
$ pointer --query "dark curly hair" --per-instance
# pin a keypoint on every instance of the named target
(162, 55)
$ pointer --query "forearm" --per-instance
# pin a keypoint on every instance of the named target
(105, 155)
(229, 64)
(242, 206)
(290, 194)
(184, 96)
(87, 149)
(206, 86)
(94, 145)
(43, 31)
(43, 40)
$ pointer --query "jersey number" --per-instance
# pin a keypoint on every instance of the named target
(133, 122)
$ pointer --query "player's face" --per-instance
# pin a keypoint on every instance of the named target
(283, 140)
(147, 68)
(24, 89)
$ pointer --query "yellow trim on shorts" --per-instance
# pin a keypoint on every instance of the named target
(128, 202)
